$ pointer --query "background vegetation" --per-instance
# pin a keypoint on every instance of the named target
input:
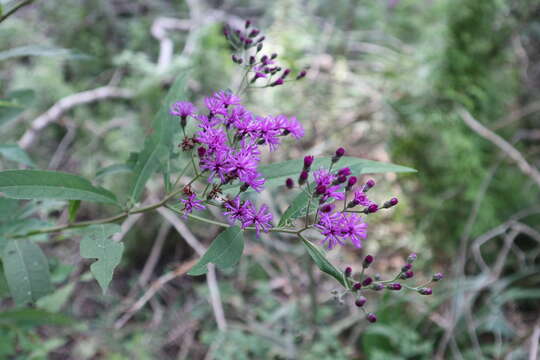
(431, 84)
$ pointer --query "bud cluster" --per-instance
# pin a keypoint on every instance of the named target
(358, 284)
(248, 43)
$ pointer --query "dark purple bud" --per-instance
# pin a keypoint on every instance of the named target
(277, 82)
(273, 56)
(344, 172)
(226, 31)
(367, 281)
(259, 47)
(244, 187)
(371, 317)
(264, 58)
(361, 301)
(425, 291)
(340, 152)
(251, 60)
(261, 39)
(248, 23)
(353, 203)
(327, 208)
(437, 277)
(411, 258)
(254, 33)
(406, 267)
(348, 271)
(408, 274)
(303, 177)
(352, 181)
(373, 208)
(201, 151)
(235, 59)
(394, 286)
(301, 75)
(368, 260)
(377, 286)
(308, 160)
(320, 189)
(368, 185)
(285, 73)
(341, 179)
(356, 286)
(289, 183)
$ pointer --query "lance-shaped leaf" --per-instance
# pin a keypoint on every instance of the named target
(26, 270)
(14, 104)
(276, 174)
(97, 244)
(320, 259)
(225, 251)
(14, 153)
(298, 208)
(159, 145)
(41, 184)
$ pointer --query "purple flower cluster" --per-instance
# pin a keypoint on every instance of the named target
(229, 140)
(248, 215)
(338, 226)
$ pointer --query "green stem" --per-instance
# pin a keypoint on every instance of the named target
(15, 8)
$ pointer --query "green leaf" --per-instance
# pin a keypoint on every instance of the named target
(40, 50)
(73, 207)
(159, 145)
(276, 174)
(14, 104)
(14, 153)
(225, 251)
(297, 208)
(42, 184)
(97, 244)
(26, 270)
(56, 300)
(113, 169)
(26, 317)
(320, 259)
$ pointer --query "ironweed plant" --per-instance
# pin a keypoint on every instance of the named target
(221, 155)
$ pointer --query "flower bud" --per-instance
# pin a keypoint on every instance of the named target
(394, 286)
(367, 281)
(308, 160)
(406, 267)
(254, 33)
(367, 261)
(351, 182)
(289, 183)
(357, 286)
(377, 286)
(301, 75)
(201, 151)
(368, 185)
(286, 73)
(361, 301)
(408, 274)
(392, 202)
(303, 177)
(373, 208)
(320, 189)
(339, 153)
(248, 23)
(344, 172)
(348, 271)
(261, 39)
(341, 179)
(371, 317)
(277, 82)
(411, 258)
(425, 291)
(327, 208)
(437, 277)
(252, 60)
(259, 47)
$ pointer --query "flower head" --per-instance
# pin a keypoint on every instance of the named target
(261, 219)
(192, 203)
(182, 109)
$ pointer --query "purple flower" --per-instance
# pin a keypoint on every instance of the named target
(215, 106)
(260, 219)
(236, 209)
(182, 109)
(290, 126)
(190, 204)
(268, 133)
(361, 198)
(330, 226)
(242, 165)
(354, 228)
(323, 177)
(214, 139)
(217, 165)
(227, 98)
